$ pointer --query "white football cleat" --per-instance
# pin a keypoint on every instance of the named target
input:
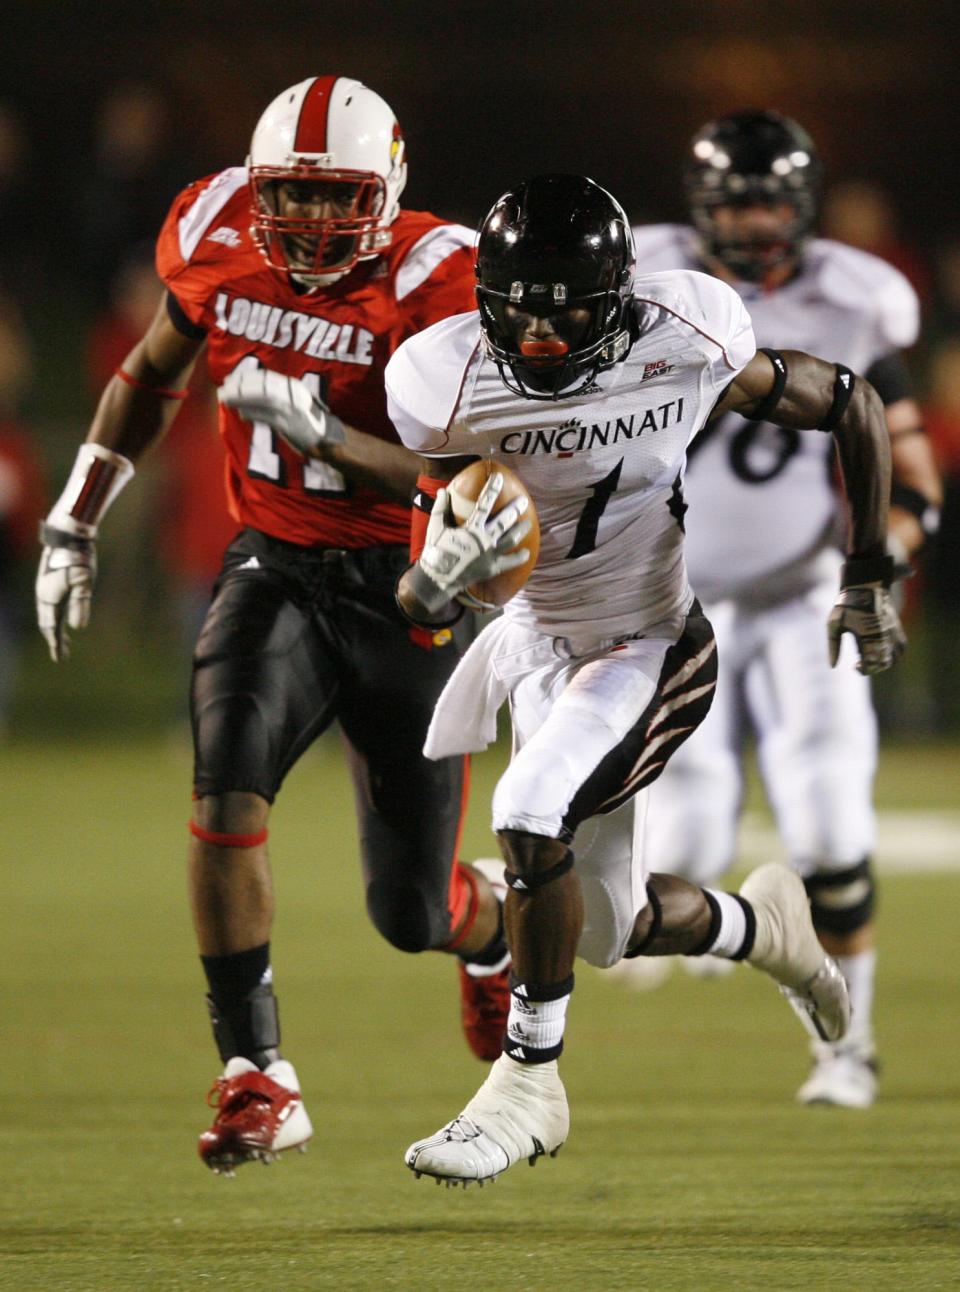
(786, 947)
(844, 1076)
(519, 1112)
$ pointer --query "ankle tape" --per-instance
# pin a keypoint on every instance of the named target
(536, 1020)
(228, 840)
(527, 883)
(250, 1028)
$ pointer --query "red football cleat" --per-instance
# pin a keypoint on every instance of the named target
(484, 1006)
(485, 996)
(259, 1114)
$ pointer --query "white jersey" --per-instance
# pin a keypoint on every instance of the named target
(604, 468)
(762, 501)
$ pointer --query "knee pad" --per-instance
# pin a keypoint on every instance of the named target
(525, 870)
(842, 901)
(401, 914)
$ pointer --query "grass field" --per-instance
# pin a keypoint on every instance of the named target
(688, 1166)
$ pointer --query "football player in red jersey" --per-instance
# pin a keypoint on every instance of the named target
(299, 275)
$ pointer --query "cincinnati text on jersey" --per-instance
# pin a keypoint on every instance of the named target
(285, 329)
(575, 436)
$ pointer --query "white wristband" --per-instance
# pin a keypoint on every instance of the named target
(97, 477)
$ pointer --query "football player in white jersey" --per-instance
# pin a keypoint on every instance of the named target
(763, 551)
(591, 386)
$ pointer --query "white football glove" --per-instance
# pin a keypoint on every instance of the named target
(454, 556)
(865, 609)
(286, 404)
(64, 588)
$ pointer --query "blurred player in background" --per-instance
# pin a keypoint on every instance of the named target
(591, 386)
(764, 533)
(299, 275)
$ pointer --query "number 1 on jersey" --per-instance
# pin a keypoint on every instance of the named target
(265, 463)
(585, 539)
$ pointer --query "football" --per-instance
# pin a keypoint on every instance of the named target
(463, 490)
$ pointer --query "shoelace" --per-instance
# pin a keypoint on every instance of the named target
(462, 1129)
(231, 1101)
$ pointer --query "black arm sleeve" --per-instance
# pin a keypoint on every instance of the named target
(178, 318)
(889, 378)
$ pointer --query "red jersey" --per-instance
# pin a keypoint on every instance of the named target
(337, 339)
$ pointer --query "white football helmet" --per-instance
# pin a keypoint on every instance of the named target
(327, 166)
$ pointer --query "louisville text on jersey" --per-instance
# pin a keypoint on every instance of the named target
(290, 329)
(575, 436)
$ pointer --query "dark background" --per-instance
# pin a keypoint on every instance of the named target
(486, 94)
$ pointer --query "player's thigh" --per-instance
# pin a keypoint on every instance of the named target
(614, 721)
(694, 805)
(410, 807)
(816, 739)
(264, 686)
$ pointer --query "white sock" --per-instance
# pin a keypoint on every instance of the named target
(859, 971)
(535, 1027)
(732, 932)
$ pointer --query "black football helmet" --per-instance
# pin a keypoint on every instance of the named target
(751, 158)
(557, 247)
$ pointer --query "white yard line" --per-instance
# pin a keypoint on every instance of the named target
(906, 841)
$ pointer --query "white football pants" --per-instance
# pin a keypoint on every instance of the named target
(590, 731)
(816, 738)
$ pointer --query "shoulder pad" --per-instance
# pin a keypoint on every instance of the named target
(429, 252)
(708, 306)
(857, 280)
(425, 376)
(663, 246)
(205, 236)
(421, 242)
(193, 219)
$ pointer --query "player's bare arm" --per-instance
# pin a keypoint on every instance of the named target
(916, 494)
(808, 393)
(141, 400)
(136, 409)
(365, 459)
(311, 428)
(805, 403)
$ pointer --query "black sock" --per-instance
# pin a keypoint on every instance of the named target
(243, 1008)
(232, 978)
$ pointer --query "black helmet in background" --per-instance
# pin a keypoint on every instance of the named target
(753, 159)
